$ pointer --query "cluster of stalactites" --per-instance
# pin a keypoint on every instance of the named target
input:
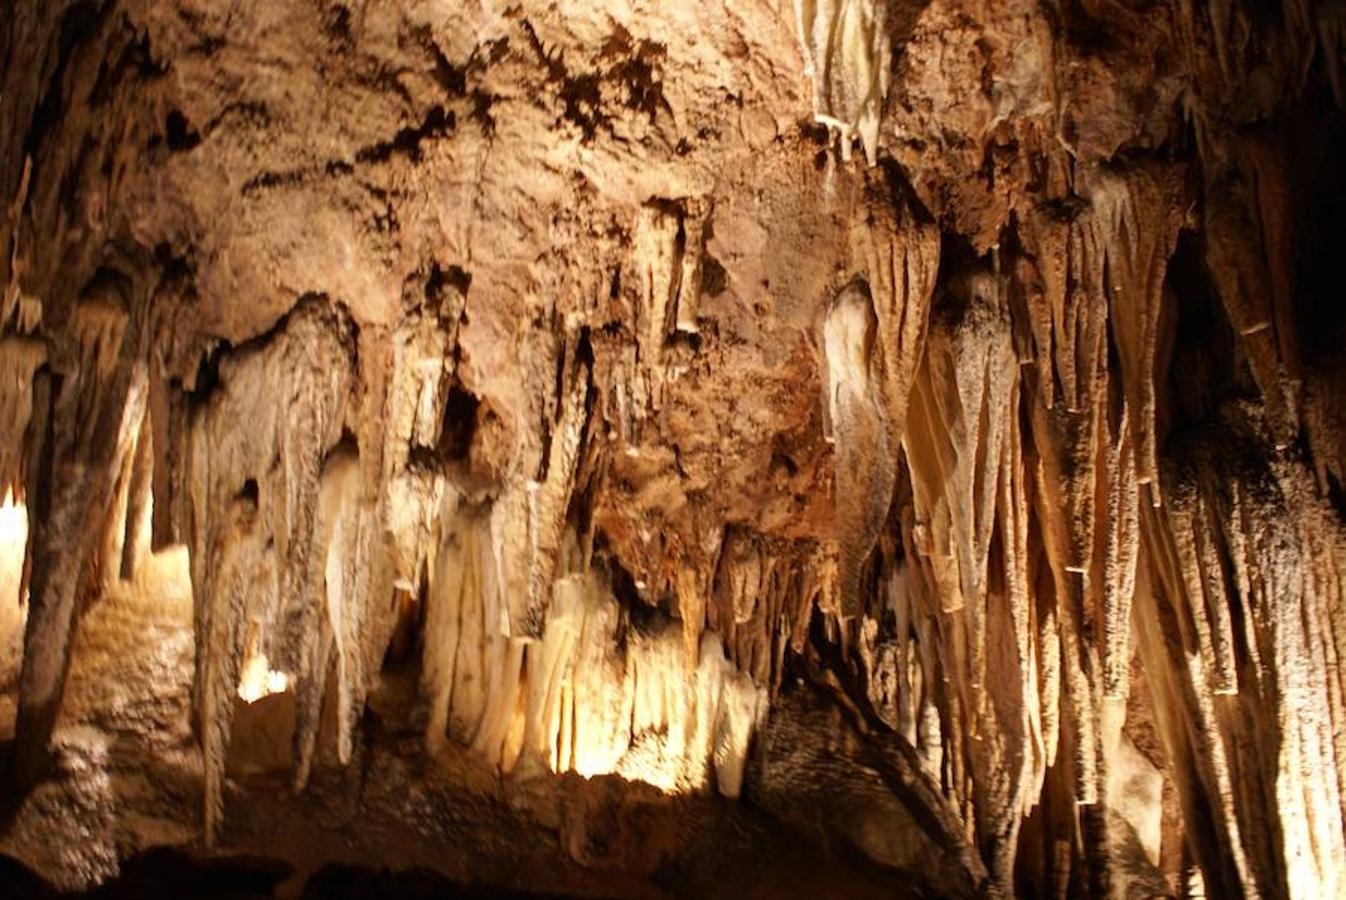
(1038, 526)
(847, 50)
(1239, 628)
(578, 699)
(280, 537)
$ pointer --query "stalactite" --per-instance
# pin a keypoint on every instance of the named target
(863, 441)
(1101, 288)
(255, 496)
(1249, 560)
(1248, 252)
(872, 341)
(969, 493)
(1137, 222)
(19, 359)
(846, 51)
(1069, 326)
(576, 699)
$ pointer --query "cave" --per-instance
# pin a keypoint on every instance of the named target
(551, 448)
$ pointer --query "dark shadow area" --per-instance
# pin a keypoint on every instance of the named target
(161, 873)
(166, 872)
(338, 882)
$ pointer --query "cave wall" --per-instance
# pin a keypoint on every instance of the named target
(918, 421)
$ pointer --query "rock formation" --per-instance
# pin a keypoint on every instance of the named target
(530, 441)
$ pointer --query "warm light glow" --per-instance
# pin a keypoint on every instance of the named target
(260, 680)
(13, 606)
(13, 539)
(13, 522)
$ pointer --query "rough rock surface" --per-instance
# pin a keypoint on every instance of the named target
(645, 448)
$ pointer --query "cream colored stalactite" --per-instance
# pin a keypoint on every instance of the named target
(528, 516)
(1065, 434)
(411, 416)
(1069, 324)
(549, 500)
(1050, 687)
(481, 621)
(472, 666)
(962, 446)
(899, 256)
(345, 568)
(1180, 669)
(453, 578)
(733, 706)
(514, 530)
(1135, 215)
(1265, 531)
(872, 341)
(549, 710)
(1290, 591)
(414, 413)
(1182, 714)
(336, 614)
(600, 698)
(1120, 556)
(1015, 504)
(915, 604)
(958, 425)
(1187, 565)
(1101, 261)
(846, 50)
(1326, 547)
(574, 699)
(500, 730)
(864, 444)
(240, 568)
(371, 599)
(256, 452)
